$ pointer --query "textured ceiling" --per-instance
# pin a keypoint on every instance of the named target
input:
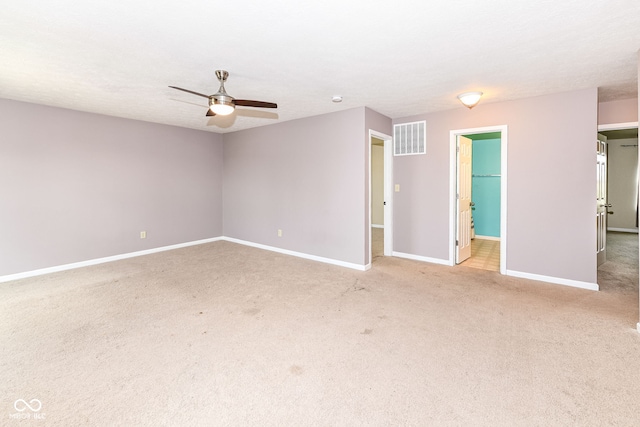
(399, 58)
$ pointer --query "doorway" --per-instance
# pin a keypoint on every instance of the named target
(622, 179)
(380, 195)
(621, 238)
(478, 198)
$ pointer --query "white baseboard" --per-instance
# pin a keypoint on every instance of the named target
(487, 237)
(96, 261)
(638, 327)
(299, 254)
(623, 230)
(555, 280)
(55, 269)
(421, 258)
(377, 226)
(88, 263)
(538, 277)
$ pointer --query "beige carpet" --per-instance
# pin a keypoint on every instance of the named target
(226, 335)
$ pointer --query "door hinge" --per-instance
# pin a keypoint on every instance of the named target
(456, 243)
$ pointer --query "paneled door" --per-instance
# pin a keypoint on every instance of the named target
(463, 234)
(601, 198)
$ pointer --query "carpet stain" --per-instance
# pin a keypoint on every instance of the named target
(296, 370)
(367, 332)
(252, 311)
(355, 288)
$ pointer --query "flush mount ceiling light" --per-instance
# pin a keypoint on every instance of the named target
(337, 98)
(470, 99)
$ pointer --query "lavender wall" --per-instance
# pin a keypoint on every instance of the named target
(306, 177)
(623, 111)
(78, 186)
(551, 184)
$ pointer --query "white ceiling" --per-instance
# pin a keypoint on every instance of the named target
(399, 58)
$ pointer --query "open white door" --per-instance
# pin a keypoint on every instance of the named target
(463, 233)
(601, 197)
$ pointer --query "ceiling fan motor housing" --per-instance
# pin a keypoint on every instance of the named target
(220, 99)
(221, 102)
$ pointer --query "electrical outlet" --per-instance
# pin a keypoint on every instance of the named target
(279, 233)
(143, 234)
(397, 188)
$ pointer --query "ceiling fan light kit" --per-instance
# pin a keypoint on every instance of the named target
(223, 104)
(222, 107)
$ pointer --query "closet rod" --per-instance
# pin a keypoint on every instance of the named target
(482, 176)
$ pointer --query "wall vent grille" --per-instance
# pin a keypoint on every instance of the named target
(409, 138)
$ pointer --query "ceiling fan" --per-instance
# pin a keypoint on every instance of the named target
(221, 103)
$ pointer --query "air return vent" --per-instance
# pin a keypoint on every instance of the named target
(409, 138)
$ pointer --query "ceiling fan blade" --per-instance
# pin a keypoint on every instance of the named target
(260, 104)
(210, 113)
(189, 91)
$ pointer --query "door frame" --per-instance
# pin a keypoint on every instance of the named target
(388, 193)
(453, 181)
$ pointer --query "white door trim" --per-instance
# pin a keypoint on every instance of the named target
(388, 192)
(453, 179)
